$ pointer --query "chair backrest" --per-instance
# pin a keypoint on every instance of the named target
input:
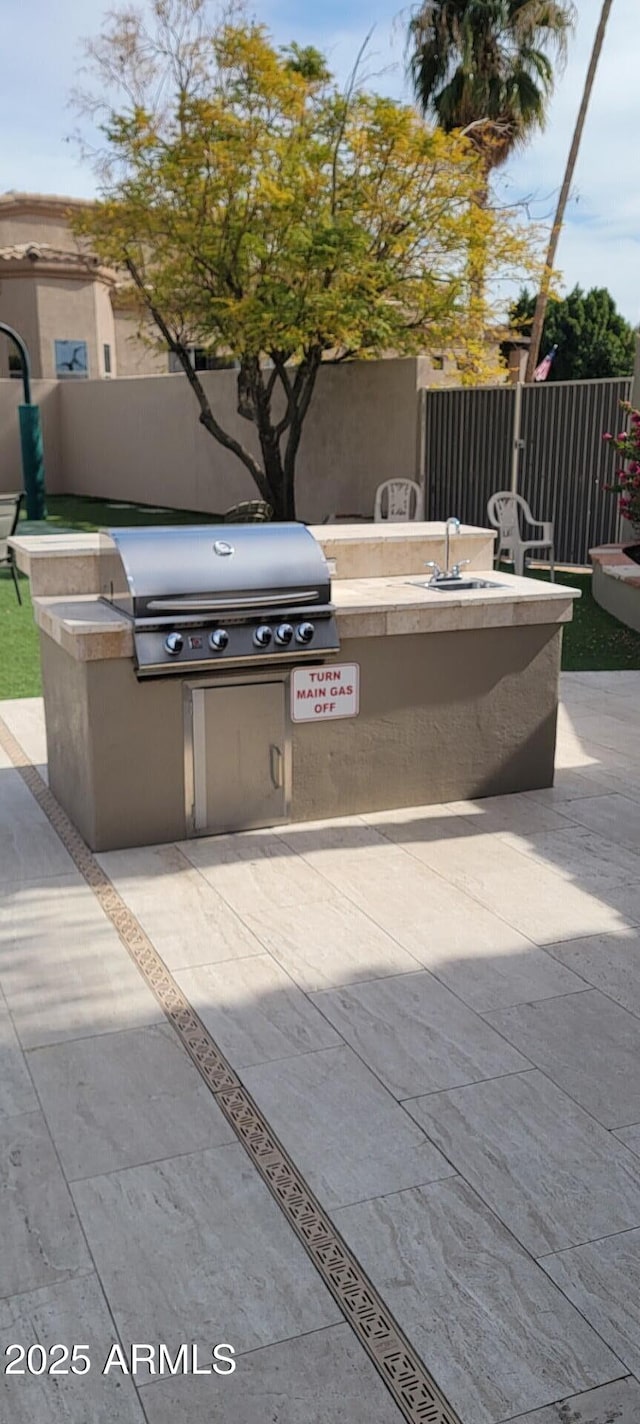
(503, 511)
(398, 501)
(251, 511)
(9, 515)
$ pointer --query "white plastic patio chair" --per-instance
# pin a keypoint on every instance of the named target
(398, 501)
(503, 512)
(9, 515)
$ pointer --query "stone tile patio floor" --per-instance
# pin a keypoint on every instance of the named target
(437, 1010)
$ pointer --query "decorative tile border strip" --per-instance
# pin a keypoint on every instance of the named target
(409, 1382)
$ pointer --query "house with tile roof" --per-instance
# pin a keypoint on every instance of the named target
(71, 310)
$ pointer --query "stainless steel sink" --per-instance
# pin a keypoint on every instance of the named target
(453, 585)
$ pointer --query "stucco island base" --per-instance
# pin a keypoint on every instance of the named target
(443, 716)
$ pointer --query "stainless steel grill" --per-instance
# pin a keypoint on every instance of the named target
(202, 596)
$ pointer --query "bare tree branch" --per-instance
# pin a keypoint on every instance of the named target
(349, 92)
(207, 417)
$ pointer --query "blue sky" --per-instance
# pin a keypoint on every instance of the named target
(601, 242)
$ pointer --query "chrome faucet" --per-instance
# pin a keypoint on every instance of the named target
(452, 525)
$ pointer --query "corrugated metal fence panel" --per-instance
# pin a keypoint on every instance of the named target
(563, 465)
(468, 438)
(565, 462)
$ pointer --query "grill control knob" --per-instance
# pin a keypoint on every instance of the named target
(174, 643)
(218, 640)
(305, 632)
(262, 636)
(284, 633)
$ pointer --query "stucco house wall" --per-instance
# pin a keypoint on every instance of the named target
(19, 309)
(48, 293)
(134, 357)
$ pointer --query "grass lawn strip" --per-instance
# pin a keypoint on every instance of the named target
(592, 642)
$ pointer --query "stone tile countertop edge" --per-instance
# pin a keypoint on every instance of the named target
(74, 545)
(90, 630)
(64, 565)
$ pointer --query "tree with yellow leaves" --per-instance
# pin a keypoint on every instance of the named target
(264, 214)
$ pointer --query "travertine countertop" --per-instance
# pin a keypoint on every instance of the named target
(86, 628)
(613, 560)
(89, 543)
(374, 607)
(405, 530)
(90, 630)
(68, 564)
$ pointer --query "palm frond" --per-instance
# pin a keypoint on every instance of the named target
(488, 62)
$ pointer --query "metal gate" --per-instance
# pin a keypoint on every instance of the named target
(561, 464)
(468, 442)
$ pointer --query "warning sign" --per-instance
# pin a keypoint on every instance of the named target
(323, 692)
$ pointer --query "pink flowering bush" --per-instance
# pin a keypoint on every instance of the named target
(627, 486)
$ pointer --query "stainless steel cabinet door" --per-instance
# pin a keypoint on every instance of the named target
(241, 757)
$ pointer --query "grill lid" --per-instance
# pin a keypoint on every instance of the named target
(205, 568)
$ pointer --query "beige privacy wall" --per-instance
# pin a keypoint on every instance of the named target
(47, 394)
(139, 439)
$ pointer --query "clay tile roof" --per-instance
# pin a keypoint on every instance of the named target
(34, 250)
(44, 252)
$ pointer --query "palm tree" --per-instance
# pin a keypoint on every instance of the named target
(543, 295)
(485, 66)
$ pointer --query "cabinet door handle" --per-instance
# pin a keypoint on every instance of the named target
(276, 766)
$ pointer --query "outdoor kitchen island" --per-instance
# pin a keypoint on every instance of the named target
(432, 697)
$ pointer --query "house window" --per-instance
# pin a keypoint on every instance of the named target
(203, 360)
(438, 363)
(72, 359)
(107, 358)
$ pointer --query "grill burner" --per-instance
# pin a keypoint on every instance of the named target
(204, 596)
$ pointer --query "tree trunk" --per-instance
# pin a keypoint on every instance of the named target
(275, 478)
(281, 497)
(255, 404)
(543, 295)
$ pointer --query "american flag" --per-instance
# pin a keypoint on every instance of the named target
(542, 371)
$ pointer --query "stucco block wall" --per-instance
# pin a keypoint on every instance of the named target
(47, 395)
(362, 429)
(141, 440)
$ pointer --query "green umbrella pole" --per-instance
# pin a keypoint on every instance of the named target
(32, 460)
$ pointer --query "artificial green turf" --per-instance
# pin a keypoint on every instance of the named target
(19, 652)
(592, 642)
(83, 516)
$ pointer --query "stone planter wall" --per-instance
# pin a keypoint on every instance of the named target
(616, 583)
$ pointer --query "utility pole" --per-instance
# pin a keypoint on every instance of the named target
(543, 294)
